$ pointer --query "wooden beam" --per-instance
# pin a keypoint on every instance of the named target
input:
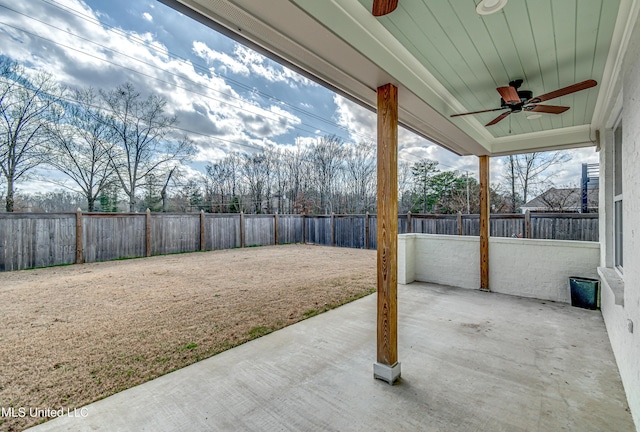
(147, 235)
(366, 231)
(241, 229)
(79, 236)
(202, 233)
(387, 233)
(484, 222)
(275, 228)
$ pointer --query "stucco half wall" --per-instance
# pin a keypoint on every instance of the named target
(524, 267)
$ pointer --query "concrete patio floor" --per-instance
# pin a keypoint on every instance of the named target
(470, 361)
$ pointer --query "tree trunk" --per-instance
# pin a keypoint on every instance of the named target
(9, 200)
(91, 200)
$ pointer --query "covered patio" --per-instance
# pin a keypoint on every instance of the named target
(472, 361)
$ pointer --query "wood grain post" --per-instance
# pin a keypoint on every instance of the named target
(527, 224)
(484, 223)
(409, 227)
(333, 229)
(275, 228)
(202, 238)
(148, 232)
(304, 228)
(387, 367)
(366, 230)
(459, 223)
(79, 236)
(241, 229)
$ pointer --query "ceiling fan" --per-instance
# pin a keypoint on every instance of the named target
(383, 7)
(522, 100)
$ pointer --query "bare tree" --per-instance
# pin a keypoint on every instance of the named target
(530, 173)
(141, 130)
(80, 145)
(361, 179)
(255, 172)
(26, 103)
(327, 156)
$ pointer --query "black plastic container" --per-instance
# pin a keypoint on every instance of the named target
(584, 292)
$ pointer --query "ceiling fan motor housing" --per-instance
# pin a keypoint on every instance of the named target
(524, 96)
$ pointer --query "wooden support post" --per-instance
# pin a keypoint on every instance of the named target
(366, 230)
(241, 229)
(527, 224)
(459, 223)
(304, 228)
(148, 232)
(275, 228)
(79, 236)
(202, 238)
(387, 367)
(333, 229)
(409, 227)
(484, 223)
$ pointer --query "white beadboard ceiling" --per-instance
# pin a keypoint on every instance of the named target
(447, 59)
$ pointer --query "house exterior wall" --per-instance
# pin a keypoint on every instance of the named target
(621, 293)
(522, 267)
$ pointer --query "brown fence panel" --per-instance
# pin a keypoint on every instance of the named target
(109, 236)
(563, 226)
(350, 231)
(434, 224)
(222, 231)
(289, 229)
(319, 230)
(36, 240)
(507, 225)
(259, 230)
(174, 233)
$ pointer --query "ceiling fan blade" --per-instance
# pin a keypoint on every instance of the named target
(564, 91)
(499, 118)
(509, 94)
(549, 109)
(383, 7)
(478, 112)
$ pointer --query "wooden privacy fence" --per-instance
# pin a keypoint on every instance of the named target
(30, 240)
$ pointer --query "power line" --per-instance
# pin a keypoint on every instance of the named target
(140, 41)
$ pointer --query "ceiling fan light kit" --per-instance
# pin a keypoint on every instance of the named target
(487, 7)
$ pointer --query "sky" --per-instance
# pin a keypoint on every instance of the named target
(226, 96)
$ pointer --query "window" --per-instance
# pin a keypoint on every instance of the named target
(617, 196)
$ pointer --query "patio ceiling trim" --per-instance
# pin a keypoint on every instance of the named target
(610, 85)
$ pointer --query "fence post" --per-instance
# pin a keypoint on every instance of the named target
(366, 231)
(147, 233)
(79, 236)
(202, 240)
(241, 229)
(333, 229)
(409, 228)
(275, 228)
(527, 224)
(459, 223)
(304, 228)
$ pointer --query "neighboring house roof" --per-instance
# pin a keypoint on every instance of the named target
(565, 199)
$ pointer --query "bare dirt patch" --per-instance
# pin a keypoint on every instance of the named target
(72, 335)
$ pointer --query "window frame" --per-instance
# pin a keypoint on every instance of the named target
(618, 197)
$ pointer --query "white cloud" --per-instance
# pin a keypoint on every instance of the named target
(147, 16)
